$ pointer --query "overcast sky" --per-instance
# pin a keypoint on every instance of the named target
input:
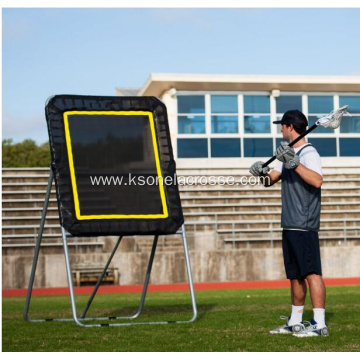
(92, 51)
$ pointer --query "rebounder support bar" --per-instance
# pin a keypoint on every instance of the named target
(80, 320)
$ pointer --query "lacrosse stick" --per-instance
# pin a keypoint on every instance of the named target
(331, 120)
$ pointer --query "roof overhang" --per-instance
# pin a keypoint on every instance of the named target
(157, 84)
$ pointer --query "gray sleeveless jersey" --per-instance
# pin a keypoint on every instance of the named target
(301, 202)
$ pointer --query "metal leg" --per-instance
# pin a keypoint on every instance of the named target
(37, 249)
(189, 273)
(147, 279)
(69, 275)
(71, 286)
(100, 279)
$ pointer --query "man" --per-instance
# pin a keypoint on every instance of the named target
(299, 168)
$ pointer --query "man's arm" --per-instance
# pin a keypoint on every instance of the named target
(309, 176)
(291, 161)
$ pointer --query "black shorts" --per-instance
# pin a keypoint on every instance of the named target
(301, 252)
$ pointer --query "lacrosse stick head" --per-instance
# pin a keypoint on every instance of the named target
(333, 119)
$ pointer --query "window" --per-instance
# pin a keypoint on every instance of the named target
(225, 147)
(256, 124)
(190, 124)
(285, 103)
(191, 114)
(192, 148)
(349, 146)
(351, 124)
(319, 106)
(352, 101)
(193, 104)
(224, 104)
(258, 147)
(224, 124)
(288, 102)
(324, 146)
(256, 114)
(224, 114)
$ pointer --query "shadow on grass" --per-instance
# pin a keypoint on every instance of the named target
(154, 310)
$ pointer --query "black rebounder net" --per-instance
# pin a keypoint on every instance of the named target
(113, 165)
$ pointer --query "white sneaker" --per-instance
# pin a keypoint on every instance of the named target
(288, 329)
(313, 330)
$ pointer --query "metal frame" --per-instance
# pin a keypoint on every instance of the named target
(79, 320)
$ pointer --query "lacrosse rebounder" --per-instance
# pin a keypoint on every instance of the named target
(115, 174)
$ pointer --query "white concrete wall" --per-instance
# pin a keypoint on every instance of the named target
(169, 267)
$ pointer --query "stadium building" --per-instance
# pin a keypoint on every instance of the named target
(220, 125)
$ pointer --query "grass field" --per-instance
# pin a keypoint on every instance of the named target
(229, 320)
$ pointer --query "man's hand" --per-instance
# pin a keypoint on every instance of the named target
(256, 169)
(286, 154)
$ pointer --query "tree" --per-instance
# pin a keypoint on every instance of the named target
(25, 154)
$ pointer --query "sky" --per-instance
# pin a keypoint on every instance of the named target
(49, 51)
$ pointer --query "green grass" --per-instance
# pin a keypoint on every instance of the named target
(229, 320)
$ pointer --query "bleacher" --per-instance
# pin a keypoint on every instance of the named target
(23, 195)
(237, 216)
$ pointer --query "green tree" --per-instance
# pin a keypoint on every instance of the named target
(25, 154)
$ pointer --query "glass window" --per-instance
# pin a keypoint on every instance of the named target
(278, 126)
(192, 148)
(224, 124)
(319, 129)
(350, 124)
(256, 104)
(257, 124)
(350, 147)
(191, 124)
(225, 147)
(352, 101)
(258, 147)
(320, 104)
(224, 104)
(288, 102)
(324, 146)
(193, 104)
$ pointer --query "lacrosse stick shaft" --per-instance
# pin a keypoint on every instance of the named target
(293, 143)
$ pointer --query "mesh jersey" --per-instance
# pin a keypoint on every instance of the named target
(301, 202)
